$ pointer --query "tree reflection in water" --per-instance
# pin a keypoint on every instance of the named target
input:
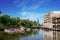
(34, 35)
(5, 36)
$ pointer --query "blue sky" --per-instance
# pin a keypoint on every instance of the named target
(32, 9)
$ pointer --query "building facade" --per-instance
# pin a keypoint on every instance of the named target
(52, 19)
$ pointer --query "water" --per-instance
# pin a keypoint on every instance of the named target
(34, 35)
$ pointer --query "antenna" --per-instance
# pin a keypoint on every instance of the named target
(37, 22)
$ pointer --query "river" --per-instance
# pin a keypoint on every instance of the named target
(35, 35)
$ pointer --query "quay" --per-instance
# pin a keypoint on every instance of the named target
(22, 29)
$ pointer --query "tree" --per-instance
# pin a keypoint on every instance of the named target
(15, 21)
(28, 23)
(5, 19)
(0, 12)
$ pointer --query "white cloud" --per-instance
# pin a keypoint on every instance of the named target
(30, 15)
(29, 7)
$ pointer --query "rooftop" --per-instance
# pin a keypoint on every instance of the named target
(55, 13)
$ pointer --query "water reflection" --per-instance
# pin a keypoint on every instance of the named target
(48, 35)
(56, 35)
(38, 36)
(33, 35)
(51, 35)
(5, 36)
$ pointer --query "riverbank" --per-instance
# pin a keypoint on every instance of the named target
(16, 30)
(22, 29)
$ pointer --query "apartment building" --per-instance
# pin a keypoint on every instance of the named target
(52, 19)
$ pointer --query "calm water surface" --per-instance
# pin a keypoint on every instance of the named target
(35, 35)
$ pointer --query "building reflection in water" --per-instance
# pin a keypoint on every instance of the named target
(56, 35)
(48, 35)
(51, 35)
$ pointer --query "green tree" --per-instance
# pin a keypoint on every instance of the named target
(15, 21)
(0, 12)
(5, 19)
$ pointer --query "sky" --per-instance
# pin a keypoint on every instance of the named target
(32, 9)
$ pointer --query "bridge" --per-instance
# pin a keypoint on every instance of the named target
(45, 28)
